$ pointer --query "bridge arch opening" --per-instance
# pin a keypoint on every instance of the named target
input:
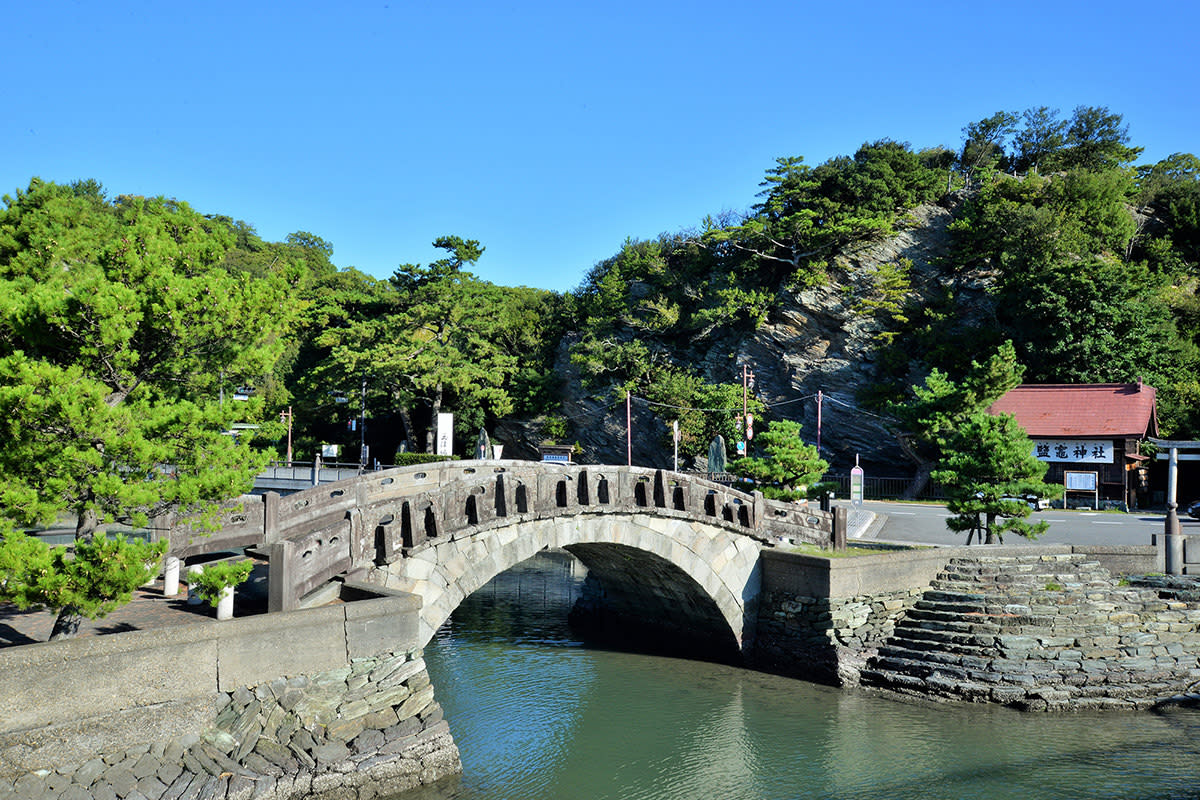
(637, 599)
(602, 496)
(686, 583)
(605, 595)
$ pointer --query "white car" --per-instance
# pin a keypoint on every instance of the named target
(1031, 500)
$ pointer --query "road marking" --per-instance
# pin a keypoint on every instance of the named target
(1107, 522)
(903, 513)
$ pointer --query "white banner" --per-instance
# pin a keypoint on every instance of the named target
(1074, 451)
(445, 434)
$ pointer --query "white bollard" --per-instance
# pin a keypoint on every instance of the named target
(194, 598)
(171, 577)
(225, 604)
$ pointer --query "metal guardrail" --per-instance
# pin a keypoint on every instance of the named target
(885, 488)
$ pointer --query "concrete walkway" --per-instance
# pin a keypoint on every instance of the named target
(148, 609)
(863, 524)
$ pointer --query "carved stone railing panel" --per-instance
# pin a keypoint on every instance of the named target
(379, 517)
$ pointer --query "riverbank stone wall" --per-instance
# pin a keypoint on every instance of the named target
(824, 639)
(333, 702)
(366, 730)
(1043, 632)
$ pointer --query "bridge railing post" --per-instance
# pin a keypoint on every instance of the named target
(362, 541)
(270, 517)
(760, 511)
(281, 588)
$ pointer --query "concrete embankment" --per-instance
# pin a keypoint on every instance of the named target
(332, 702)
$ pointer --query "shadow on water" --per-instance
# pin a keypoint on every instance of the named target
(540, 713)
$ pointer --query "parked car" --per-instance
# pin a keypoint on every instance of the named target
(1193, 510)
(1031, 500)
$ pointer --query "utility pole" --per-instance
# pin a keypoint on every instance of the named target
(629, 428)
(820, 397)
(675, 439)
(288, 416)
(747, 377)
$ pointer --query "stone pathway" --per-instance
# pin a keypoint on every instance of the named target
(149, 609)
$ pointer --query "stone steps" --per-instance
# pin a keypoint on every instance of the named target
(1003, 629)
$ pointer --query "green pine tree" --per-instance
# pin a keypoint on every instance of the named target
(92, 578)
(788, 468)
(118, 330)
(988, 469)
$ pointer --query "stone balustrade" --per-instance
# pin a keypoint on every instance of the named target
(350, 526)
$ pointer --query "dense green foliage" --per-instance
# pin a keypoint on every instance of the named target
(120, 326)
(431, 338)
(212, 581)
(92, 579)
(788, 469)
(1091, 266)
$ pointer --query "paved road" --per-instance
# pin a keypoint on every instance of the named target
(911, 522)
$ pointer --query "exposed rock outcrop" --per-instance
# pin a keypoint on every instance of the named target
(817, 340)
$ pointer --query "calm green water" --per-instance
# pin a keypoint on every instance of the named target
(538, 714)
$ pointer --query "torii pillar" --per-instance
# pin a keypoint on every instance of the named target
(1174, 531)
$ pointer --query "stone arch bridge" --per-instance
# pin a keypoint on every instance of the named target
(667, 547)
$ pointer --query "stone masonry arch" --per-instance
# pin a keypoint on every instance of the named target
(716, 571)
(686, 546)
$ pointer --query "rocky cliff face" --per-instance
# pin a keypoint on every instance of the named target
(819, 342)
(816, 341)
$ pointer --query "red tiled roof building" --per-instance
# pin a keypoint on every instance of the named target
(1093, 427)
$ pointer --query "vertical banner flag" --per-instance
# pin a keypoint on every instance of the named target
(445, 434)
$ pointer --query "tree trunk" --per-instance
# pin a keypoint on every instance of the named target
(921, 478)
(991, 536)
(919, 481)
(66, 624)
(410, 437)
(435, 408)
(86, 523)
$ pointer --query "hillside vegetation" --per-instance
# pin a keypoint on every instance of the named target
(856, 277)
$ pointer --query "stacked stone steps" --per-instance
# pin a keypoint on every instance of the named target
(1009, 629)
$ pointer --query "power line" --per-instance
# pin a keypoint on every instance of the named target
(780, 404)
(734, 410)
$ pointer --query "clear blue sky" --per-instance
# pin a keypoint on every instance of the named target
(549, 131)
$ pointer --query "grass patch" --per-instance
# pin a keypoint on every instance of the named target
(1054, 587)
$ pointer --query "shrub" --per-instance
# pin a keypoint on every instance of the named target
(412, 459)
(215, 578)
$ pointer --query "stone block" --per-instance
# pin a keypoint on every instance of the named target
(383, 625)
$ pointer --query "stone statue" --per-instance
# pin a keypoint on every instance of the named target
(716, 454)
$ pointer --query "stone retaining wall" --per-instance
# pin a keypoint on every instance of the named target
(826, 639)
(824, 619)
(327, 703)
(1042, 632)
